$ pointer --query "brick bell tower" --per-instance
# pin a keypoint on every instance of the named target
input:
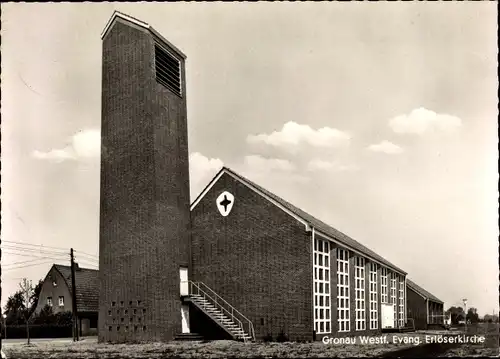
(144, 203)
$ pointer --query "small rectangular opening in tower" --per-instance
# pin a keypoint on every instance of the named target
(167, 70)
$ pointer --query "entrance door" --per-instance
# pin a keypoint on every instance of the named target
(183, 274)
(387, 316)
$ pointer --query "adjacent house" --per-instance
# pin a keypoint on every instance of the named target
(426, 310)
(57, 289)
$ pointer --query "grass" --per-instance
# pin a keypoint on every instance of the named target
(216, 349)
(90, 349)
(489, 348)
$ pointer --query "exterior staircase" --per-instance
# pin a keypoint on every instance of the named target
(404, 329)
(220, 311)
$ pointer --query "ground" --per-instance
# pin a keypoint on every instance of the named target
(89, 348)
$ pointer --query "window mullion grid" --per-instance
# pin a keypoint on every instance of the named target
(393, 296)
(343, 312)
(373, 297)
(401, 302)
(383, 279)
(359, 269)
(322, 305)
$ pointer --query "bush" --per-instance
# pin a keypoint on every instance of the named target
(267, 338)
(39, 331)
(282, 337)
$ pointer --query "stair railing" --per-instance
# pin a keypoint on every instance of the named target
(245, 324)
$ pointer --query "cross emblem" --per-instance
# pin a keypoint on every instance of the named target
(225, 203)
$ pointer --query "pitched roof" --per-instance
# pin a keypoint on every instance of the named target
(129, 19)
(305, 217)
(87, 287)
(416, 288)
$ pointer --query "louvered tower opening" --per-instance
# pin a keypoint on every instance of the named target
(168, 70)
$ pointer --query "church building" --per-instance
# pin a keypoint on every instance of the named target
(238, 262)
(289, 273)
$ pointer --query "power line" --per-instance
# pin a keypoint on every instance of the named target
(25, 266)
(32, 253)
(44, 248)
(87, 254)
(31, 250)
(24, 262)
(35, 245)
(54, 257)
(87, 259)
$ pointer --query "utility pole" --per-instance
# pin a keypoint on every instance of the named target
(465, 310)
(75, 314)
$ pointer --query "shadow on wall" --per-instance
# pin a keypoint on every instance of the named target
(199, 323)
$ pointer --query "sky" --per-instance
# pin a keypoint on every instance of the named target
(379, 119)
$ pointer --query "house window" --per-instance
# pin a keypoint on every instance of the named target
(393, 296)
(343, 313)
(61, 301)
(401, 301)
(373, 296)
(359, 277)
(383, 280)
(49, 301)
(322, 306)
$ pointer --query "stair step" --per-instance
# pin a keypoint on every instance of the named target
(188, 337)
(218, 314)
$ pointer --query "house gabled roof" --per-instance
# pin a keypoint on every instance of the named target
(117, 15)
(308, 220)
(422, 292)
(87, 286)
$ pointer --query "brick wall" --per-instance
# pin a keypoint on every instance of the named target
(333, 286)
(258, 258)
(144, 210)
(417, 309)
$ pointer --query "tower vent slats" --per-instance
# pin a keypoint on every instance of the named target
(167, 70)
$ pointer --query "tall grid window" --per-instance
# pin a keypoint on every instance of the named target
(393, 296)
(383, 281)
(401, 301)
(359, 268)
(322, 317)
(343, 314)
(373, 297)
(383, 286)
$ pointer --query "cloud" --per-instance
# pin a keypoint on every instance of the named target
(422, 120)
(55, 155)
(200, 166)
(84, 144)
(270, 170)
(201, 170)
(386, 147)
(293, 134)
(262, 164)
(321, 165)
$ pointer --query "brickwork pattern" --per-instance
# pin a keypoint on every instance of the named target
(144, 209)
(417, 309)
(258, 258)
